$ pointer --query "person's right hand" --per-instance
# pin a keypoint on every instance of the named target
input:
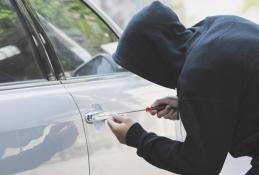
(169, 112)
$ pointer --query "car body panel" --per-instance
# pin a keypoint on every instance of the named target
(120, 93)
(41, 132)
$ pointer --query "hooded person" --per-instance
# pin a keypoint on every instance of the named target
(215, 67)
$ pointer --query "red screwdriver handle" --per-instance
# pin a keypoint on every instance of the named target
(157, 108)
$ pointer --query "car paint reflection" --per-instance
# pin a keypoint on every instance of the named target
(34, 146)
(41, 132)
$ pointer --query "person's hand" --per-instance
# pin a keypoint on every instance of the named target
(169, 112)
(120, 127)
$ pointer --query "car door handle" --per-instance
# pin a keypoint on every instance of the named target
(96, 116)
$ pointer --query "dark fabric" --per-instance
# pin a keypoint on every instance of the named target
(155, 39)
(134, 134)
(252, 171)
(255, 161)
(215, 67)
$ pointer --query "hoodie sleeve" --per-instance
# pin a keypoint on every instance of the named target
(208, 108)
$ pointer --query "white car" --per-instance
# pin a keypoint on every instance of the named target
(56, 75)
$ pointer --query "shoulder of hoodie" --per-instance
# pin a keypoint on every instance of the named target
(232, 29)
(225, 42)
(227, 36)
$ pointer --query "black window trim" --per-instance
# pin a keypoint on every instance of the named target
(46, 71)
(43, 59)
(55, 62)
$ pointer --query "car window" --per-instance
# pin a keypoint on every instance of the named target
(17, 55)
(82, 41)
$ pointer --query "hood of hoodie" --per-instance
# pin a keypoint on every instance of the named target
(154, 45)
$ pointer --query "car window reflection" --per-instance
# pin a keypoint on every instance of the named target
(18, 58)
(78, 35)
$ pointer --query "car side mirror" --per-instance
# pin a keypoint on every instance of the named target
(99, 64)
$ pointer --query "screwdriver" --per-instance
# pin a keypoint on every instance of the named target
(157, 108)
(106, 115)
(149, 109)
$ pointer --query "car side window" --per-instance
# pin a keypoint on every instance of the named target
(82, 41)
(18, 59)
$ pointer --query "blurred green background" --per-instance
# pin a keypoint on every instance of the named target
(189, 11)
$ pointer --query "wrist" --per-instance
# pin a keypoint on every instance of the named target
(134, 135)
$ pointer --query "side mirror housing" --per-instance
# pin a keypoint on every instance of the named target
(99, 64)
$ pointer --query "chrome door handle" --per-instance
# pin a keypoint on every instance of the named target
(96, 114)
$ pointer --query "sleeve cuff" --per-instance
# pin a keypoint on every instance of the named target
(134, 134)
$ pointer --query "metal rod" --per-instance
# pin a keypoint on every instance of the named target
(106, 116)
(128, 112)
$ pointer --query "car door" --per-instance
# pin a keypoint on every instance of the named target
(84, 43)
(41, 129)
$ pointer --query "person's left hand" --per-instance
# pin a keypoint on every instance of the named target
(120, 127)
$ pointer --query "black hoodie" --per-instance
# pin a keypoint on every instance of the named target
(215, 67)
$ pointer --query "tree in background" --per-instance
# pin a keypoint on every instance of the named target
(7, 18)
(250, 10)
(127, 8)
(251, 5)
